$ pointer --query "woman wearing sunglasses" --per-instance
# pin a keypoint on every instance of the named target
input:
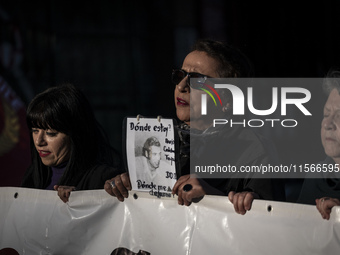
(237, 146)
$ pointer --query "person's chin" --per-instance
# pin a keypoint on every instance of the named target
(332, 153)
(185, 117)
(46, 163)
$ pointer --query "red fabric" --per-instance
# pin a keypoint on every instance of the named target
(14, 137)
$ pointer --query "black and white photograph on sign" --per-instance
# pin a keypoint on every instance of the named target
(150, 152)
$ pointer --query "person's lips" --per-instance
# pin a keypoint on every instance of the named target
(181, 101)
(330, 139)
(44, 153)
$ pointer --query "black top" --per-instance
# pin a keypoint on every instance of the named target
(313, 188)
(234, 146)
(94, 178)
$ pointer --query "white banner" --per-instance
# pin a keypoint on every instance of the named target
(93, 222)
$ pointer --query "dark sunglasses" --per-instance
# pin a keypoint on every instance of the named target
(178, 75)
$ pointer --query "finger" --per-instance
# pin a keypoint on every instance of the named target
(325, 207)
(186, 201)
(248, 200)
(108, 187)
(178, 183)
(61, 195)
(336, 201)
(328, 205)
(180, 194)
(112, 190)
(321, 205)
(235, 202)
(318, 203)
(119, 189)
(64, 199)
(183, 191)
(180, 200)
(327, 216)
(231, 196)
(126, 181)
(187, 196)
(55, 187)
(240, 203)
(65, 191)
(177, 187)
(194, 196)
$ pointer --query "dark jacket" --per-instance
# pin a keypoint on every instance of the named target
(234, 146)
(313, 188)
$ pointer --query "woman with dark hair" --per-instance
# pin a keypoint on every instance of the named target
(69, 149)
(202, 142)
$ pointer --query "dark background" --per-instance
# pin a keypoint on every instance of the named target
(121, 53)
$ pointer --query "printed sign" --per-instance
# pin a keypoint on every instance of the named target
(150, 154)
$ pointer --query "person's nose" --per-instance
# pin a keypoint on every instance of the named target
(40, 139)
(328, 123)
(183, 86)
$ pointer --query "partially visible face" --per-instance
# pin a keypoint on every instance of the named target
(53, 147)
(188, 100)
(330, 126)
(154, 156)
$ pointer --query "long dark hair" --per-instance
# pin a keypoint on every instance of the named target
(65, 109)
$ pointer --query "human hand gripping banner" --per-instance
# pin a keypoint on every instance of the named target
(92, 222)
